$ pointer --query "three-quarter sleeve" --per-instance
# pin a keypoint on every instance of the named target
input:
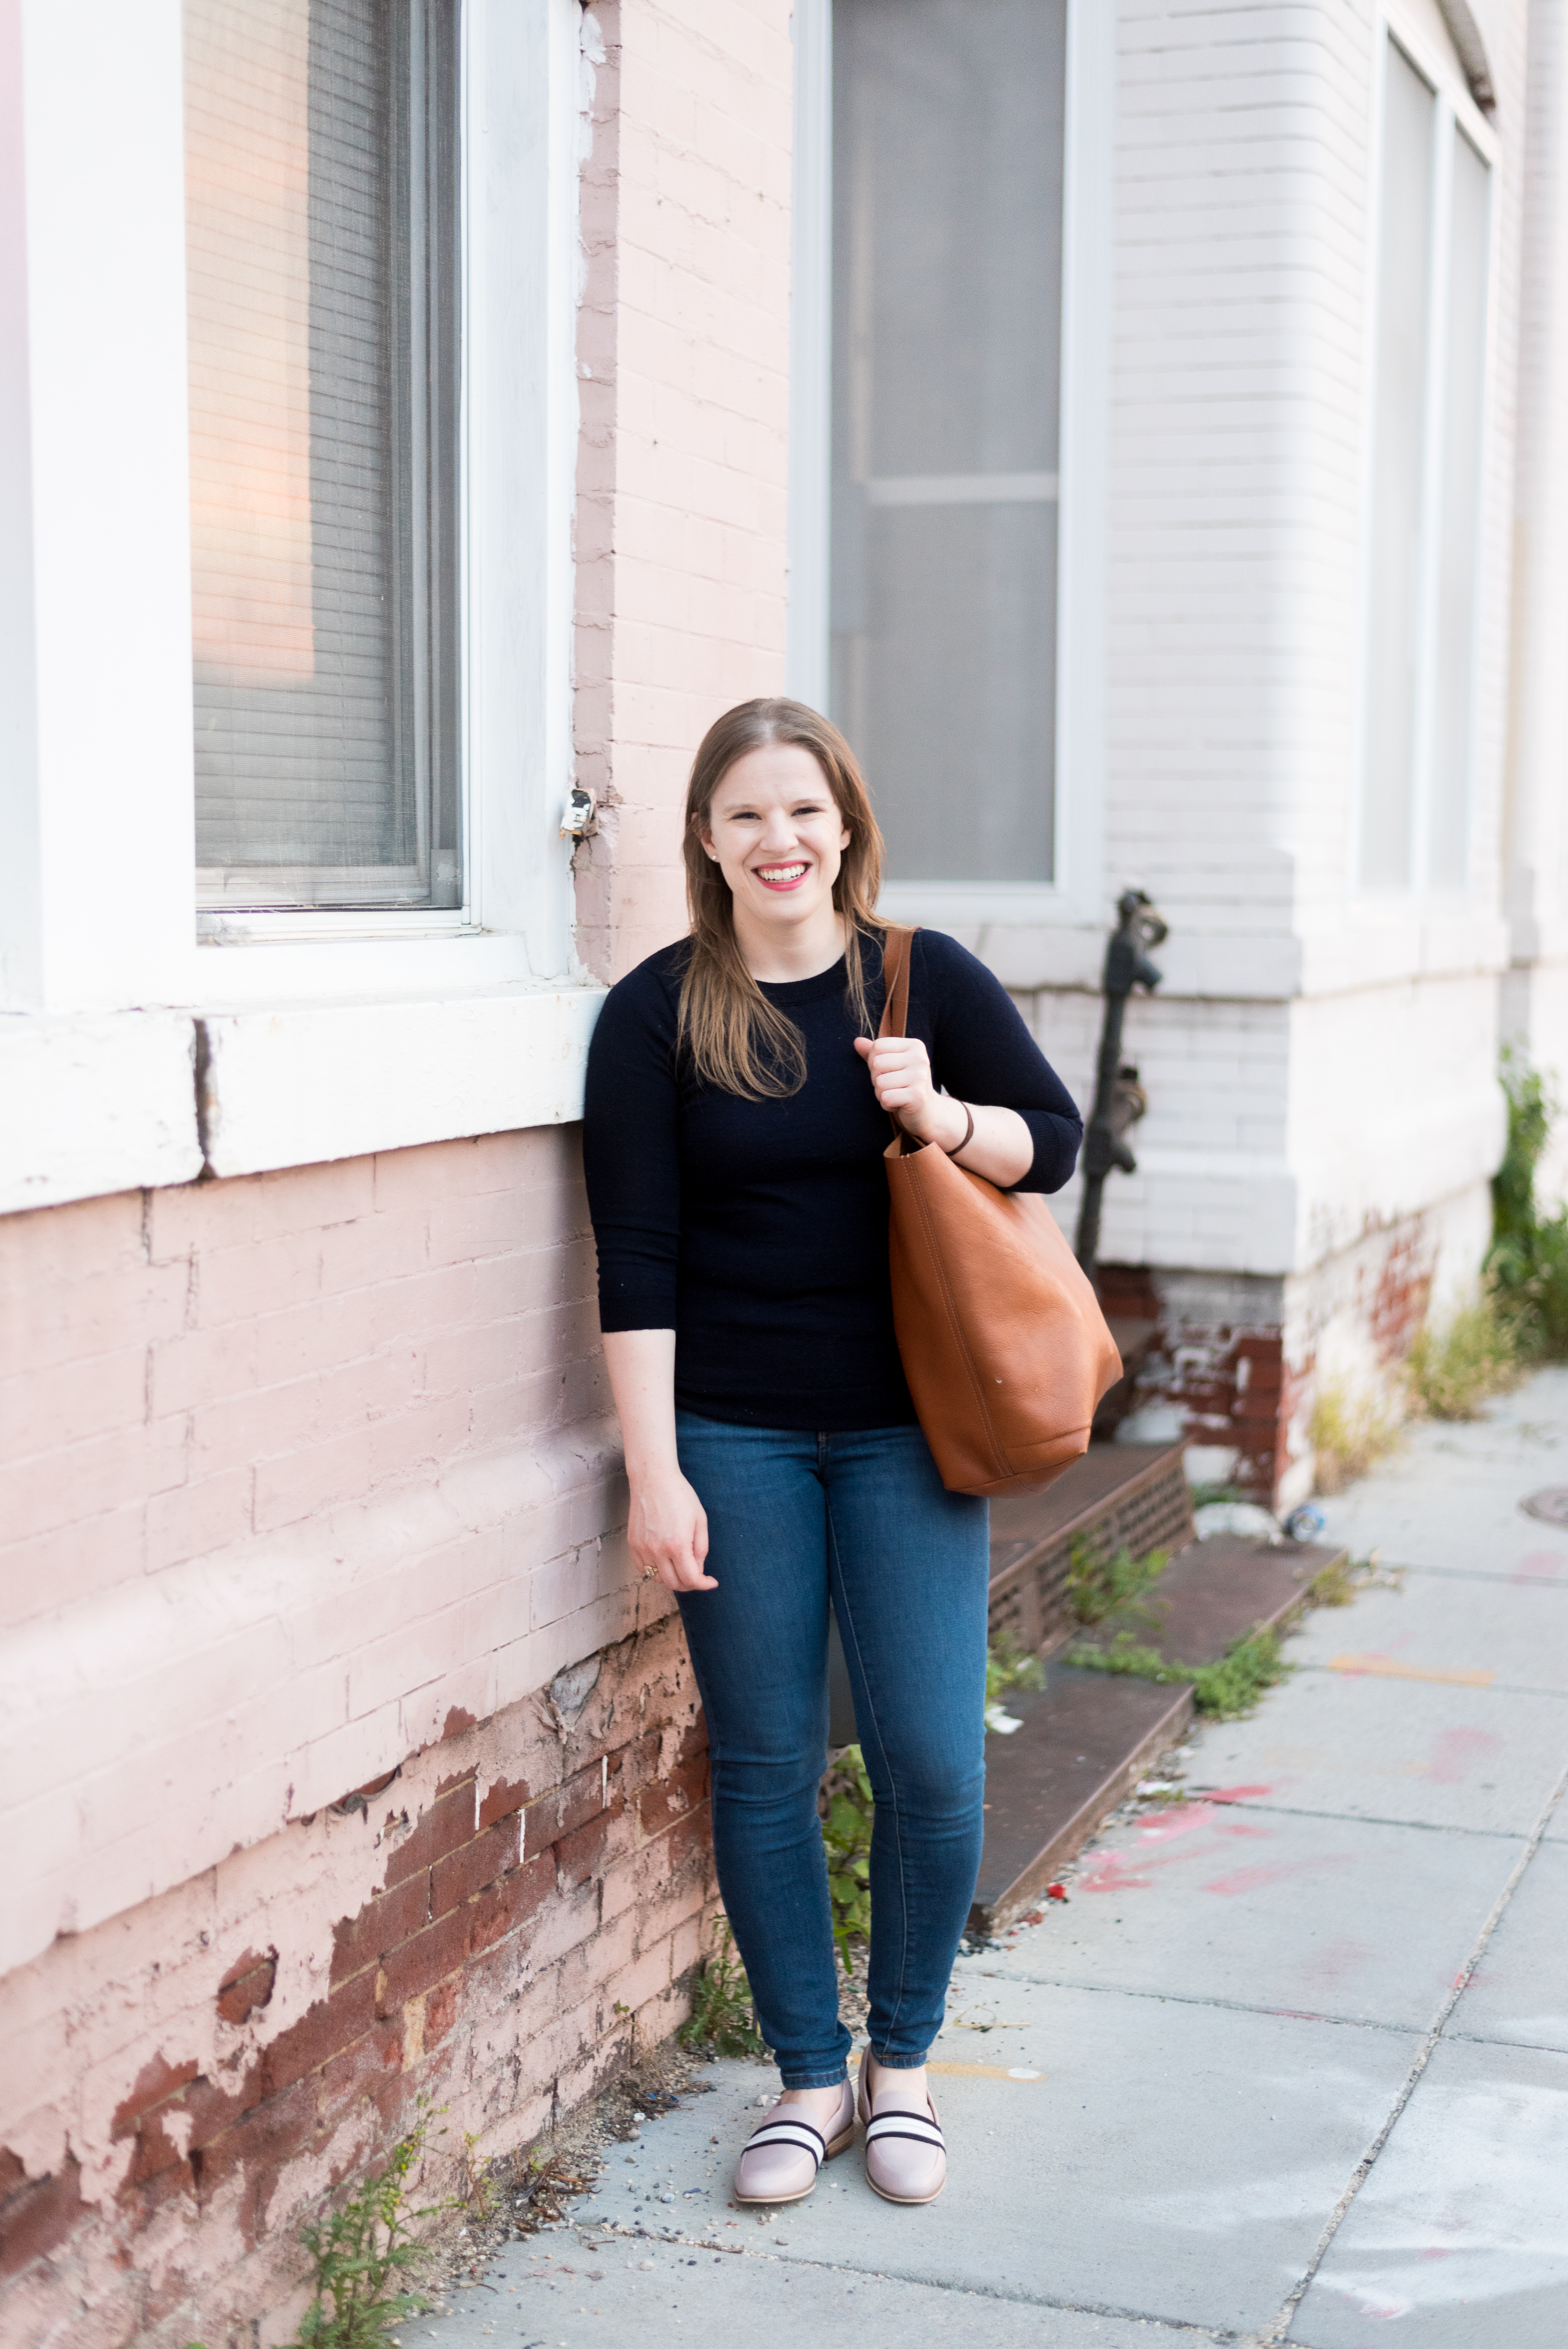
(631, 1155)
(982, 1052)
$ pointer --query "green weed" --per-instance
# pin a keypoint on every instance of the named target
(482, 2186)
(1482, 1351)
(1009, 1666)
(847, 1809)
(1224, 1691)
(722, 2018)
(1527, 1260)
(1334, 1585)
(1229, 1689)
(1098, 1585)
(1349, 1432)
(365, 2252)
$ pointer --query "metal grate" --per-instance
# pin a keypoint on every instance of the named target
(1151, 1510)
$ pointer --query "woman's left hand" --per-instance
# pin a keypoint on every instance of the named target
(900, 1069)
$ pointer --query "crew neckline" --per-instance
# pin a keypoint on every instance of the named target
(831, 981)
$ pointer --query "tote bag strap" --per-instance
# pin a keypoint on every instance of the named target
(896, 948)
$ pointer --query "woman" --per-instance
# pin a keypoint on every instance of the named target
(738, 1112)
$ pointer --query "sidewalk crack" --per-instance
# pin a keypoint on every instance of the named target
(1274, 2335)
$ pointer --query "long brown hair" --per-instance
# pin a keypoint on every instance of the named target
(737, 1039)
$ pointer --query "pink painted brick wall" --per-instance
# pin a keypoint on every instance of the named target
(291, 1467)
(181, 1368)
(498, 1928)
(683, 352)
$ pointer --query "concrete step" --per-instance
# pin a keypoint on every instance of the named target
(1087, 1737)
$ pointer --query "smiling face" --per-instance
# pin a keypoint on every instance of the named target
(775, 828)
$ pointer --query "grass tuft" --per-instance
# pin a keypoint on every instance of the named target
(1223, 1692)
(1098, 1585)
(722, 2020)
(1009, 1666)
(1335, 1585)
(1484, 1351)
(1349, 1432)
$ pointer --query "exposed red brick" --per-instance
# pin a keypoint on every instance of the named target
(474, 1865)
(157, 2081)
(564, 1808)
(693, 1742)
(509, 1905)
(247, 1985)
(139, 2204)
(441, 2010)
(271, 2133)
(503, 1799)
(580, 1856)
(383, 1922)
(671, 1797)
(39, 2214)
(457, 1719)
(323, 2031)
(420, 1964)
(347, 2079)
(448, 1822)
(691, 1837)
(152, 2152)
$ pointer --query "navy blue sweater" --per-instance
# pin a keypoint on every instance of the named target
(758, 1230)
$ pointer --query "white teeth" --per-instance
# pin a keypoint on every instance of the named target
(779, 872)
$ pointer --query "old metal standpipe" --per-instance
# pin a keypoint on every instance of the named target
(1119, 1099)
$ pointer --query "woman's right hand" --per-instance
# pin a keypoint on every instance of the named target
(667, 1531)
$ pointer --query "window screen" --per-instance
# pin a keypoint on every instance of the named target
(947, 181)
(322, 265)
(1399, 467)
(1463, 386)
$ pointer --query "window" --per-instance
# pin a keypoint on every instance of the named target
(1430, 346)
(947, 264)
(322, 254)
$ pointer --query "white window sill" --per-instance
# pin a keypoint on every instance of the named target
(97, 1105)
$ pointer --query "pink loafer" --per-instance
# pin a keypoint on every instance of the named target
(906, 2155)
(785, 2152)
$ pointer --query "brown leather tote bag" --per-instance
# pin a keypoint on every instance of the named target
(1002, 1341)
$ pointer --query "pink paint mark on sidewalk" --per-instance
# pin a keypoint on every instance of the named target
(1255, 1880)
(1541, 1566)
(1456, 1753)
(1178, 1823)
(1112, 1873)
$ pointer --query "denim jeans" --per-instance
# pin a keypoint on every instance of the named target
(794, 1517)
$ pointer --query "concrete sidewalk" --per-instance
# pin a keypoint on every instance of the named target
(1292, 2067)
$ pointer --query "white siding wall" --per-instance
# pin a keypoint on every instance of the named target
(1319, 1065)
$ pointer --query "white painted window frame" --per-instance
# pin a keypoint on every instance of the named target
(320, 1034)
(1439, 67)
(1073, 900)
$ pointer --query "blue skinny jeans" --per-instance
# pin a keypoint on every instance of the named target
(793, 1519)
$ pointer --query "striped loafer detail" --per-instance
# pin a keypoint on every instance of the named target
(906, 2154)
(784, 2154)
